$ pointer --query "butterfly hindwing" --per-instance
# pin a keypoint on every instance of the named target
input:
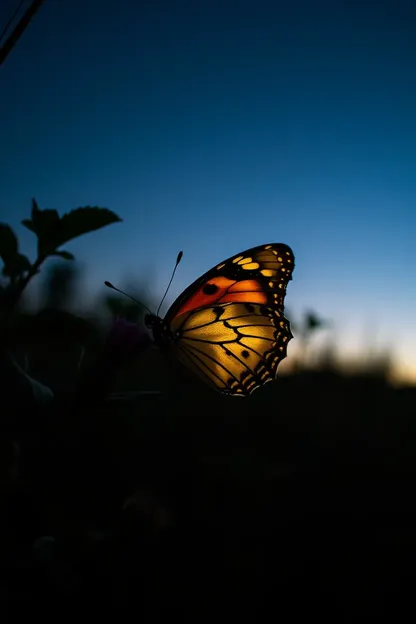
(235, 347)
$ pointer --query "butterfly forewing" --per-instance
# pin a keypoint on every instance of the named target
(259, 275)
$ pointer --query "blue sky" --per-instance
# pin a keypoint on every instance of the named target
(213, 126)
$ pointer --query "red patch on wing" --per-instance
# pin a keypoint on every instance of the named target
(222, 290)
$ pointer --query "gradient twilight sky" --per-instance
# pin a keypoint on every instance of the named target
(216, 125)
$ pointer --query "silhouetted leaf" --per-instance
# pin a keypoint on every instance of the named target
(84, 220)
(46, 225)
(35, 214)
(48, 220)
(66, 255)
(16, 265)
(48, 229)
(8, 242)
(53, 231)
(29, 224)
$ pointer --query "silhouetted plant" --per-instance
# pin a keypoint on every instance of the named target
(52, 231)
(305, 330)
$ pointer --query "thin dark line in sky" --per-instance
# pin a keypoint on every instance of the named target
(11, 20)
(19, 29)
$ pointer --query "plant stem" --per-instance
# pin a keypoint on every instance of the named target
(34, 269)
(19, 288)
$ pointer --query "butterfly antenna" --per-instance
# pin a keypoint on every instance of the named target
(110, 285)
(178, 259)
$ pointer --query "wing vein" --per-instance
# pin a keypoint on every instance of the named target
(200, 364)
(214, 360)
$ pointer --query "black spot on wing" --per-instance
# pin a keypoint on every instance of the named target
(209, 289)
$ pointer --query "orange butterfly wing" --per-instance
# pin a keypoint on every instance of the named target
(259, 275)
(229, 327)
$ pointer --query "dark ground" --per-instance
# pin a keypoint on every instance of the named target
(294, 504)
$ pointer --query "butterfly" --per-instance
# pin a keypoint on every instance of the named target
(229, 325)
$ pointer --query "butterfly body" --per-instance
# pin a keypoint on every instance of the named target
(162, 335)
(229, 325)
